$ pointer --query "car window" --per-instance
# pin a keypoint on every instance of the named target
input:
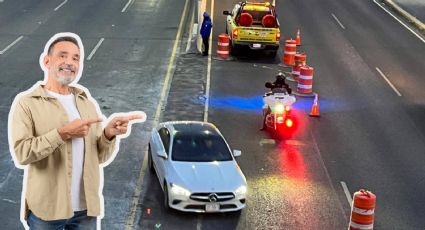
(200, 148)
(165, 138)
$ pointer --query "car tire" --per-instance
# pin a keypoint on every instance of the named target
(272, 53)
(234, 50)
(166, 201)
(150, 162)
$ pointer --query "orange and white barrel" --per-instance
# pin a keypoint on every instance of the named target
(362, 210)
(300, 60)
(305, 80)
(289, 52)
(223, 46)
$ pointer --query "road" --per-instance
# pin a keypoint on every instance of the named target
(370, 133)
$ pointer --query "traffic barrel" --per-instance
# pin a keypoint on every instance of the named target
(305, 81)
(300, 60)
(223, 48)
(363, 210)
(289, 52)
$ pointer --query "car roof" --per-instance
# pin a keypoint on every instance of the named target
(191, 127)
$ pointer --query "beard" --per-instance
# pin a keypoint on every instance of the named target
(65, 78)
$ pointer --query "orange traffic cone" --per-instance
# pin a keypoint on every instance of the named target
(315, 108)
(298, 39)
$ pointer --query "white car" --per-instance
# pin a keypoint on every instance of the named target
(196, 168)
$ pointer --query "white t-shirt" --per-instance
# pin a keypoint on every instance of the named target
(77, 186)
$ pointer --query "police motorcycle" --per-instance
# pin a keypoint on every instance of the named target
(277, 110)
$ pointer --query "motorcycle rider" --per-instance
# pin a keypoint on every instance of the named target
(280, 83)
(277, 86)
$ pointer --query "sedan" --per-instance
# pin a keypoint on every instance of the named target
(196, 168)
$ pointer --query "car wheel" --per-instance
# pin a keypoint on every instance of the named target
(272, 53)
(150, 162)
(234, 50)
(166, 201)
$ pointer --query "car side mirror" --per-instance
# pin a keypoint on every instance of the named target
(226, 12)
(162, 154)
(237, 153)
(268, 85)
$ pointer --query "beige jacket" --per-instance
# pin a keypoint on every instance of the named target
(35, 119)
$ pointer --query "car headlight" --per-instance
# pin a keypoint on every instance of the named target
(178, 190)
(241, 190)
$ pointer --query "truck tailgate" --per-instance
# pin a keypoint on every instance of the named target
(253, 34)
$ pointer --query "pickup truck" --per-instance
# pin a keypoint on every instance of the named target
(253, 25)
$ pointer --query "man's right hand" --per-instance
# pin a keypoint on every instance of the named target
(77, 128)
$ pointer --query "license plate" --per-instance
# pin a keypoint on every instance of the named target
(214, 207)
(256, 45)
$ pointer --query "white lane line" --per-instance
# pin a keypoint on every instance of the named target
(388, 81)
(164, 93)
(347, 193)
(267, 142)
(416, 34)
(63, 3)
(317, 150)
(11, 44)
(10, 201)
(207, 86)
(199, 222)
(189, 39)
(337, 20)
(95, 49)
(126, 6)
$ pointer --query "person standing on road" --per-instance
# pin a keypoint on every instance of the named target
(206, 32)
(56, 136)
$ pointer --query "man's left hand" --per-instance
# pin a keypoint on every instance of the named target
(120, 124)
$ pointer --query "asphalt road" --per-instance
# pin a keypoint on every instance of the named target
(367, 136)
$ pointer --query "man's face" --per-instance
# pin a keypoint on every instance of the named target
(63, 62)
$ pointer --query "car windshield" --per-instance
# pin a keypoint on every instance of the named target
(199, 148)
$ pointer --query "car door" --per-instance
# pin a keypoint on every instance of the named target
(164, 137)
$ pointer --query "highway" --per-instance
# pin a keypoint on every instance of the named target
(368, 72)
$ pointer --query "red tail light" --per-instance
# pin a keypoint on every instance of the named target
(277, 36)
(289, 123)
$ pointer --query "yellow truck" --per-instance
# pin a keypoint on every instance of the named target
(253, 25)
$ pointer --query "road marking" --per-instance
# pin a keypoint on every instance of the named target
(11, 44)
(189, 39)
(164, 92)
(347, 192)
(416, 34)
(388, 81)
(267, 142)
(126, 6)
(95, 49)
(337, 20)
(199, 222)
(10, 201)
(316, 147)
(63, 3)
(207, 86)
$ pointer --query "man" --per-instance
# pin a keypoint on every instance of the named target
(55, 131)
(206, 32)
(280, 83)
(278, 86)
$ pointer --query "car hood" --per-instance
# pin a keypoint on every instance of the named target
(222, 176)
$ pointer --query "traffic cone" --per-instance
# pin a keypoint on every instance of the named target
(315, 108)
(298, 39)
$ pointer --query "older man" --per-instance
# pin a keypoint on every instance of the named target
(55, 129)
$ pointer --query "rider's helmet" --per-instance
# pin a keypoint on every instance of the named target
(280, 77)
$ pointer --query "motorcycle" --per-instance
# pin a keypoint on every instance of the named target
(277, 110)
